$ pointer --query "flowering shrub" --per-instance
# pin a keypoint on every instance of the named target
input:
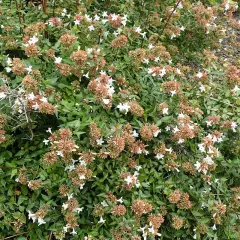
(119, 120)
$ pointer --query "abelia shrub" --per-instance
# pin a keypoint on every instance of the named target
(119, 119)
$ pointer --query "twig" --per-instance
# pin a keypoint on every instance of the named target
(107, 4)
(19, 16)
(44, 4)
(54, 4)
(168, 19)
(13, 236)
(50, 236)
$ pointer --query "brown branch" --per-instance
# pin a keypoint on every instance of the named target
(107, 4)
(19, 234)
(19, 16)
(44, 4)
(168, 19)
(50, 237)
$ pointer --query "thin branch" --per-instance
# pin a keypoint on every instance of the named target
(168, 19)
(19, 234)
(44, 4)
(50, 236)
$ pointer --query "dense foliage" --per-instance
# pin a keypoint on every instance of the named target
(119, 119)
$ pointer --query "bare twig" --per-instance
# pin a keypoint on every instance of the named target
(44, 4)
(50, 236)
(13, 236)
(168, 19)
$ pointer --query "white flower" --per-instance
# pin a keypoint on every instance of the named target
(165, 110)
(159, 156)
(214, 228)
(138, 168)
(33, 40)
(150, 46)
(104, 21)
(197, 166)
(29, 69)
(8, 69)
(111, 90)
(120, 200)
(123, 107)
(41, 221)
(236, 89)
(199, 75)
(65, 206)
(91, 28)
(76, 22)
(32, 216)
(86, 75)
(226, 6)
(101, 220)
(106, 101)
(156, 133)
(114, 17)
(135, 134)
(124, 22)
(163, 72)
(182, 28)
(128, 180)
(178, 71)
(157, 59)
(73, 232)
(70, 196)
(96, 18)
(78, 210)
(173, 92)
(46, 141)
(104, 204)
(201, 147)
(208, 160)
(100, 141)
(35, 106)
(2, 95)
(169, 150)
(143, 34)
(105, 14)
(44, 99)
(233, 126)
(209, 123)
(146, 61)
(151, 230)
(146, 152)
(31, 96)
(9, 61)
(180, 141)
(180, 6)
(176, 130)
(65, 229)
(58, 60)
(59, 153)
(202, 88)
(138, 30)
(142, 229)
(167, 128)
